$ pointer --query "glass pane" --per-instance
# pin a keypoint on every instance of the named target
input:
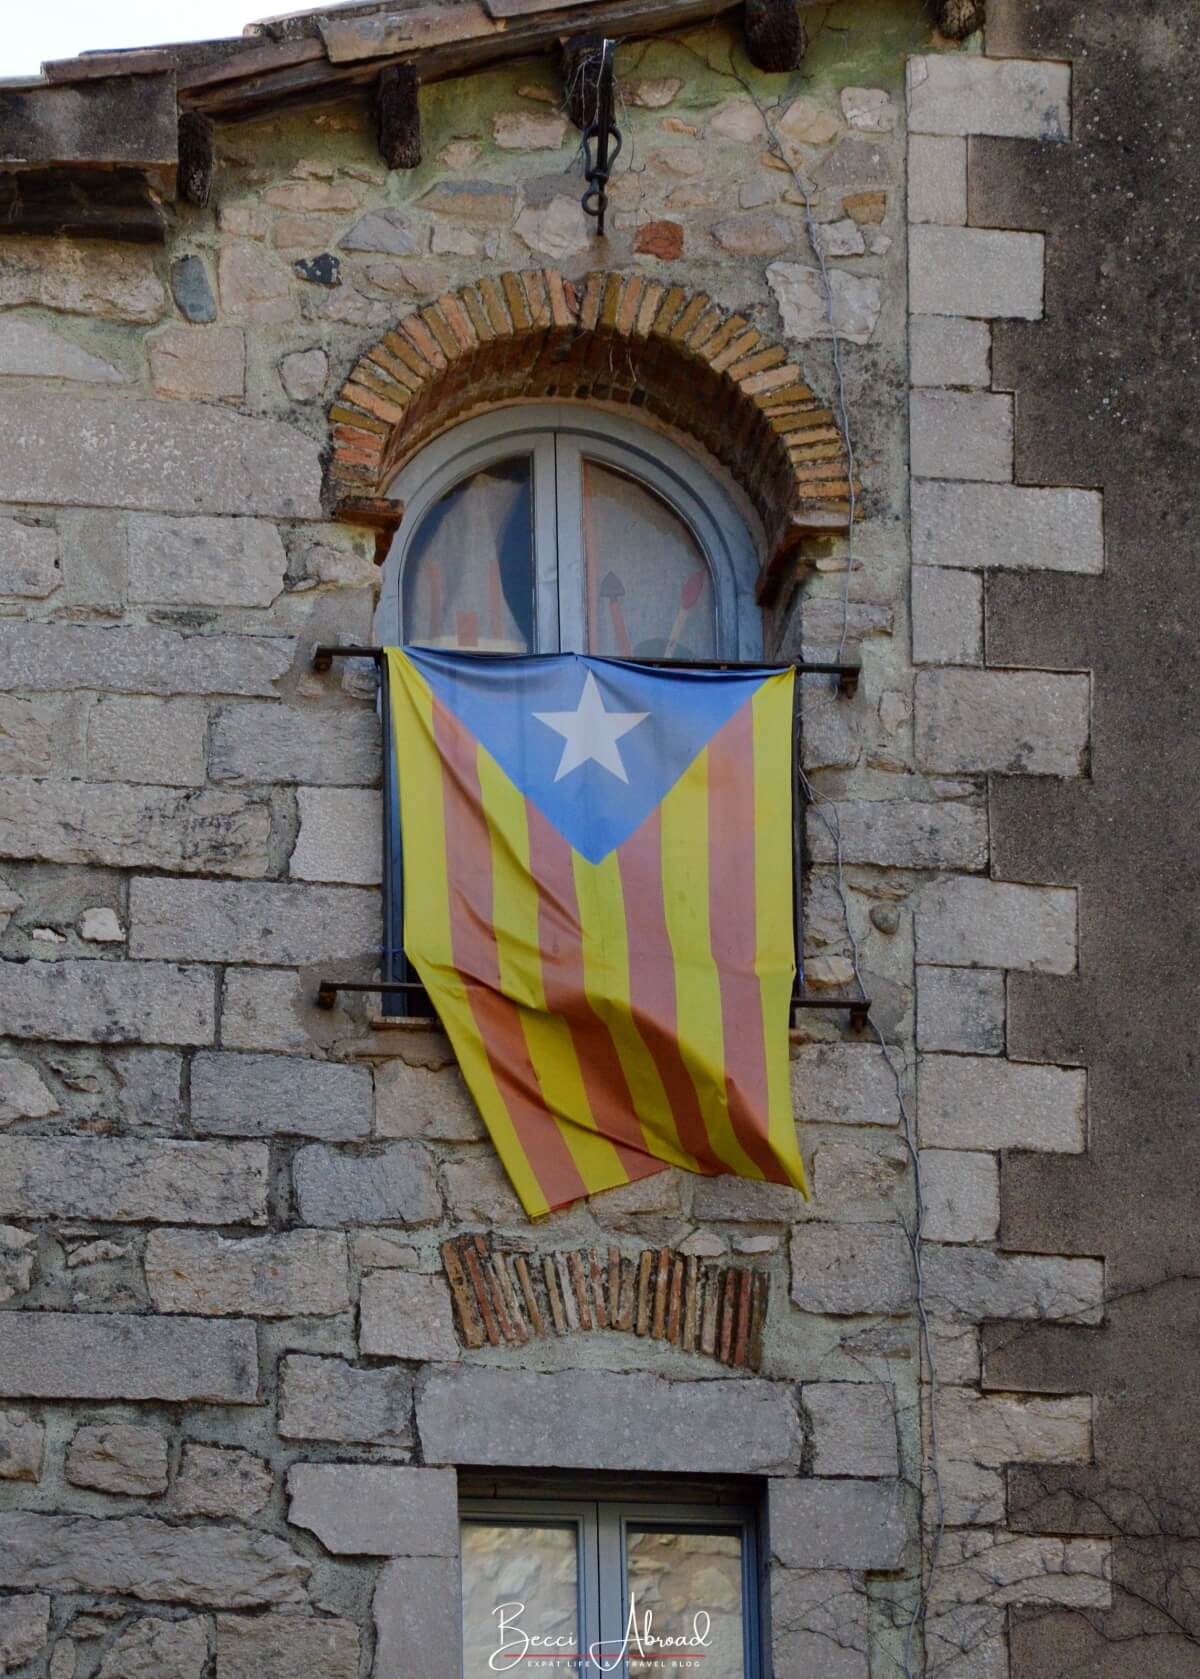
(687, 1586)
(468, 574)
(520, 1586)
(649, 592)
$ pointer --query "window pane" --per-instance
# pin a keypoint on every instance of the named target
(520, 1585)
(686, 1585)
(468, 575)
(649, 592)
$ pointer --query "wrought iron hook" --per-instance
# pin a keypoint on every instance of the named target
(601, 131)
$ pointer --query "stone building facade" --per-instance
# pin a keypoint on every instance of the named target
(271, 1309)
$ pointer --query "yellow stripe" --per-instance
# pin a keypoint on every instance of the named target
(774, 959)
(427, 913)
(605, 945)
(685, 852)
(518, 946)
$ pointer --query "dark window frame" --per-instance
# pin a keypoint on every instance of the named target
(603, 1518)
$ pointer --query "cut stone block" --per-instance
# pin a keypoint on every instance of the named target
(395, 1185)
(24, 1628)
(842, 1084)
(220, 1481)
(983, 272)
(151, 1648)
(997, 1428)
(376, 1509)
(28, 558)
(207, 830)
(960, 1009)
(837, 1524)
(819, 1623)
(974, 1284)
(853, 1428)
(404, 1314)
(1012, 722)
(109, 1355)
(1007, 526)
(282, 1646)
(947, 617)
(24, 1094)
(966, 93)
(22, 1448)
(937, 180)
(160, 742)
(220, 921)
(844, 1269)
(277, 1095)
(969, 1102)
(137, 1556)
(118, 1457)
(341, 836)
(419, 1102)
(285, 743)
(328, 1399)
(273, 1009)
(202, 363)
(961, 1192)
(204, 562)
(82, 277)
(37, 657)
(944, 350)
(903, 834)
(122, 1180)
(108, 1001)
(997, 924)
(418, 1619)
(592, 1419)
(961, 434)
(298, 1273)
(158, 456)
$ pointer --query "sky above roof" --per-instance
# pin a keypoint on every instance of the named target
(64, 28)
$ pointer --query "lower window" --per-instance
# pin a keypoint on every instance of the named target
(599, 1586)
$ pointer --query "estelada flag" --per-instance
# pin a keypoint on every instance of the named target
(598, 900)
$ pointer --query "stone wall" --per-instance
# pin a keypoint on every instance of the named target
(235, 1387)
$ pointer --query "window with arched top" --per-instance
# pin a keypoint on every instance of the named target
(551, 528)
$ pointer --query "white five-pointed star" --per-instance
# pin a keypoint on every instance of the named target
(589, 732)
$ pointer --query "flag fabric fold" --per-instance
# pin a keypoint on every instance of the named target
(598, 900)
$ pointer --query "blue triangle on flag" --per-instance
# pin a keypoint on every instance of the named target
(596, 744)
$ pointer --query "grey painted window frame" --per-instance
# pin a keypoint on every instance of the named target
(555, 435)
(602, 1521)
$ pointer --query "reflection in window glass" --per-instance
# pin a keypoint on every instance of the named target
(689, 1585)
(520, 1583)
(649, 592)
(468, 580)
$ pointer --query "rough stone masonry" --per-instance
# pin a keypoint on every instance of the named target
(235, 1394)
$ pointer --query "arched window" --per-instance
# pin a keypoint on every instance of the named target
(554, 528)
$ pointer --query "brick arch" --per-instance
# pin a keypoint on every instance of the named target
(620, 338)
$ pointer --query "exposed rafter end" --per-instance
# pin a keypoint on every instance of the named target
(379, 513)
(776, 39)
(398, 110)
(957, 19)
(197, 153)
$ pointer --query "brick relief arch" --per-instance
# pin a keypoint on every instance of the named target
(620, 338)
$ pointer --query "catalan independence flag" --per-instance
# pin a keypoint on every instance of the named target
(598, 900)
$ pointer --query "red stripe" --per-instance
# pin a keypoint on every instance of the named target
(734, 934)
(561, 940)
(473, 943)
(652, 984)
